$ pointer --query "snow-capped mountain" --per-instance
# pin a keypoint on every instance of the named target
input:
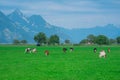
(18, 17)
(9, 30)
(6, 28)
(20, 27)
(17, 26)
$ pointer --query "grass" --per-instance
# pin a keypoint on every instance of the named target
(81, 64)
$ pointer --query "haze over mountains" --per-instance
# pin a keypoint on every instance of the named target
(17, 26)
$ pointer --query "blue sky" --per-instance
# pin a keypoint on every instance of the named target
(68, 13)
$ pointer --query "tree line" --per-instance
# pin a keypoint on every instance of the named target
(41, 38)
(91, 39)
(15, 41)
(100, 40)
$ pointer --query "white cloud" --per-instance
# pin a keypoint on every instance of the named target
(69, 13)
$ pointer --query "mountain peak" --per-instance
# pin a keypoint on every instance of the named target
(18, 17)
(18, 12)
(37, 17)
(37, 20)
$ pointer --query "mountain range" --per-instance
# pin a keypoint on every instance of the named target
(17, 26)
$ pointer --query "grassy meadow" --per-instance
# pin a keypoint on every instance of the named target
(81, 64)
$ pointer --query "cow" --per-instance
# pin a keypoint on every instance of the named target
(108, 50)
(95, 49)
(38, 44)
(28, 50)
(64, 50)
(71, 49)
(34, 50)
(102, 54)
(46, 52)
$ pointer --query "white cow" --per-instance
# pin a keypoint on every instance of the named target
(34, 50)
(102, 54)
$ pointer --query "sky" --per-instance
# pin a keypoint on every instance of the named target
(68, 13)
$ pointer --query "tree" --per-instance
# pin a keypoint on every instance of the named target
(40, 38)
(15, 41)
(84, 41)
(102, 40)
(112, 41)
(91, 38)
(54, 39)
(67, 41)
(118, 39)
(23, 41)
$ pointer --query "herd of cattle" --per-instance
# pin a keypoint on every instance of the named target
(102, 53)
(34, 50)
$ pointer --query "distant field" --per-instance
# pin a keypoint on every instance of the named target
(81, 64)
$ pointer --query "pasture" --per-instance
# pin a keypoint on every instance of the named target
(81, 64)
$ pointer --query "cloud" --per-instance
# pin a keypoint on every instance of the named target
(48, 6)
(65, 6)
(68, 13)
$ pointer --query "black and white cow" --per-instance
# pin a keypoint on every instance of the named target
(29, 50)
(64, 50)
(71, 49)
(95, 49)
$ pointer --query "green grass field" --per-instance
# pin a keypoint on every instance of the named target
(81, 64)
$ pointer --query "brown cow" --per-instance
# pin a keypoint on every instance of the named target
(46, 52)
(108, 50)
